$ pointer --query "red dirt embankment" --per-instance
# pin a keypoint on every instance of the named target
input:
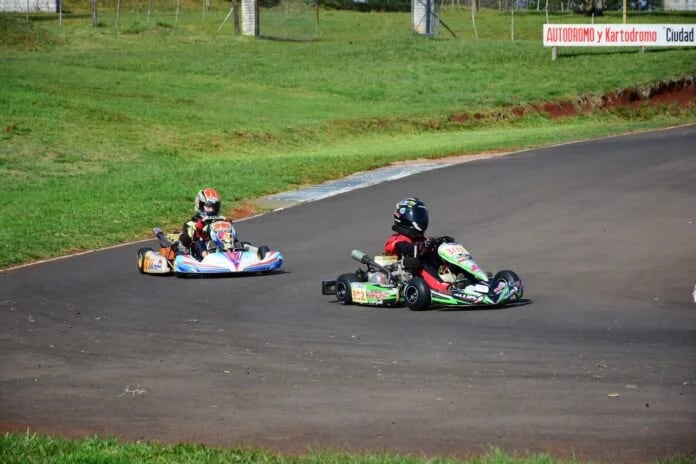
(677, 93)
(680, 93)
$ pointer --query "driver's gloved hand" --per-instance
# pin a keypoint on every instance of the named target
(431, 245)
(411, 264)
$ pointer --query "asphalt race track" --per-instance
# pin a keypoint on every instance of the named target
(601, 364)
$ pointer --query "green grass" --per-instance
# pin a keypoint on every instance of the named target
(32, 448)
(105, 134)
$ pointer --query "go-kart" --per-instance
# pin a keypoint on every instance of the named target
(225, 255)
(387, 282)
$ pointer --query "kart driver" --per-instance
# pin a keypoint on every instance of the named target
(207, 208)
(409, 242)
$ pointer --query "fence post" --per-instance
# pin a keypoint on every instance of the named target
(250, 17)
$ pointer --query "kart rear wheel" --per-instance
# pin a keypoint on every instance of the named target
(513, 280)
(141, 259)
(343, 291)
(263, 250)
(417, 294)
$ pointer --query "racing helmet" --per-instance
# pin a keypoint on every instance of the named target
(207, 203)
(411, 214)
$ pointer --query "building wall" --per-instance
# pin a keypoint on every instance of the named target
(49, 6)
(680, 5)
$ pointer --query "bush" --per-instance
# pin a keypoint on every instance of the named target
(369, 5)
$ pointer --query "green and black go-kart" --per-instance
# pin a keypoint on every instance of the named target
(386, 282)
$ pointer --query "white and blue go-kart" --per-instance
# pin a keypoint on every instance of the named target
(226, 255)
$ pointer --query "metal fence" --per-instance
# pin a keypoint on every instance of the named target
(289, 19)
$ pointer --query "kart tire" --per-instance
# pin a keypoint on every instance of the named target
(141, 259)
(343, 291)
(511, 278)
(263, 250)
(417, 294)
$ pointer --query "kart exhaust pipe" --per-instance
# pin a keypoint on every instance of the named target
(363, 258)
(360, 256)
(164, 243)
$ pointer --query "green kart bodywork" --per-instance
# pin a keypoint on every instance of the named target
(386, 283)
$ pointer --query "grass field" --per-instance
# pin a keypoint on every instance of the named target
(105, 133)
(31, 448)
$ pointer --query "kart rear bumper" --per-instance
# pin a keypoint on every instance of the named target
(328, 287)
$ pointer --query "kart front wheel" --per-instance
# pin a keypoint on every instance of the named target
(512, 280)
(344, 295)
(141, 259)
(263, 251)
(417, 294)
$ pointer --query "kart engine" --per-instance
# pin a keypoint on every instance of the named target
(396, 277)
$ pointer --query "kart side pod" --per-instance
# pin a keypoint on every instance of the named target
(151, 262)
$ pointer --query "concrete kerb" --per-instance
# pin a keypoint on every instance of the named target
(360, 180)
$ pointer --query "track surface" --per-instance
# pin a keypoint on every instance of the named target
(603, 233)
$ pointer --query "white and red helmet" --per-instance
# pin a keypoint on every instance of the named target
(207, 202)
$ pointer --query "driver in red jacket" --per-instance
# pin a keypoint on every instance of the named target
(409, 242)
(207, 209)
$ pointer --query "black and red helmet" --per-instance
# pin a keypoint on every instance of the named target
(411, 215)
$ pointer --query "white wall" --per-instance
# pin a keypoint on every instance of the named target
(680, 5)
(250, 17)
(32, 5)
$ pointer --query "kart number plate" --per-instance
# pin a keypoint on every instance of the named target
(359, 295)
(221, 226)
(456, 249)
